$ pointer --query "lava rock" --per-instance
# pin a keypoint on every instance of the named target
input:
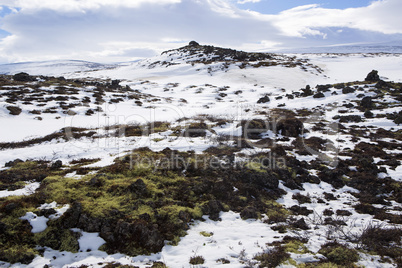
(382, 85)
(290, 127)
(249, 213)
(348, 90)
(264, 99)
(366, 103)
(71, 217)
(193, 44)
(13, 163)
(139, 187)
(47, 212)
(301, 224)
(56, 165)
(213, 208)
(23, 77)
(14, 110)
(372, 76)
(319, 95)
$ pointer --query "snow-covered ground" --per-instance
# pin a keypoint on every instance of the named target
(185, 91)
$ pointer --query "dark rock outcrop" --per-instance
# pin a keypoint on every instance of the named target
(290, 127)
(23, 77)
(372, 76)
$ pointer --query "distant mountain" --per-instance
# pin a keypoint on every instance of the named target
(53, 68)
(387, 47)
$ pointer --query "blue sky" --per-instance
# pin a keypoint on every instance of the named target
(276, 6)
(121, 30)
(3, 12)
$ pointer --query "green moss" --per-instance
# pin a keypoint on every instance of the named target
(206, 234)
(291, 262)
(16, 239)
(296, 247)
(275, 211)
(195, 260)
(243, 198)
(168, 179)
(157, 127)
(58, 239)
(25, 165)
(139, 170)
(113, 193)
(17, 253)
(176, 239)
(172, 211)
(197, 212)
(339, 254)
(255, 166)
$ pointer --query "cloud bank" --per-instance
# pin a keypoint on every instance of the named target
(122, 30)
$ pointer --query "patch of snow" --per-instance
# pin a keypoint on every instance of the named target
(89, 241)
(29, 189)
(38, 223)
(59, 211)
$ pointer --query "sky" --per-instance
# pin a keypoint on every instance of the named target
(123, 30)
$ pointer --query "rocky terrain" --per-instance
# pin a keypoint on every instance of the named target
(156, 163)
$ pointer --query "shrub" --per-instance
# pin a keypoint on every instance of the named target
(196, 130)
(384, 241)
(296, 246)
(273, 257)
(195, 260)
(301, 198)
(339, 254)
(158, 264)
(223, 261)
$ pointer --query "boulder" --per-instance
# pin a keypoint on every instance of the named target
(291, 127)
(14, 110)
(193, 44)
(372, 76)
(264, 99)
(366, 102)
(249, 213)
(23, 77)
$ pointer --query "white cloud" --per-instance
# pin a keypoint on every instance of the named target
(118, 30)
(81, 5)
(382, 16)
(46, 33)
(248, 1)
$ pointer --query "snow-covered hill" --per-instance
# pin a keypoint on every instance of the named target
(202, 156)
(393, 47)
(53, 68)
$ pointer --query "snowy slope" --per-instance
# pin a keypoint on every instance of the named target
(181, 88)
(53, 68)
